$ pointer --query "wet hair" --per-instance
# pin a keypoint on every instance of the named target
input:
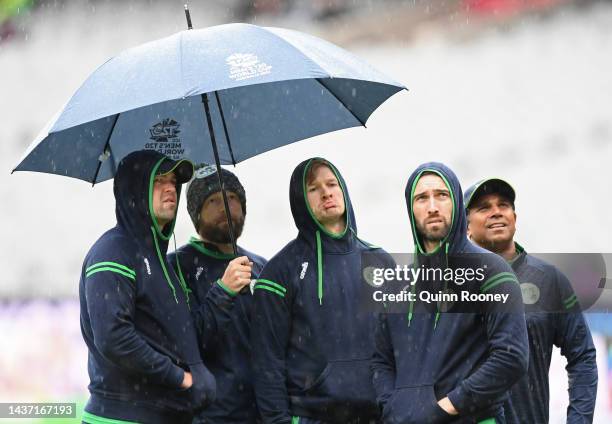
(314, 165)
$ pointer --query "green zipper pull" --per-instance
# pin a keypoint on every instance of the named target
(182, 281)
(186, 289)
(446, 254)
(415, 262)
(410, 314)
(319, 267)
(445, 285)
(411, 305)
(161, 261)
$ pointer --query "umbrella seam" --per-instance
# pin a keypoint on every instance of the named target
(341, 102)
(183, 90)
(383, 78)
(225, 129)
(293, 46)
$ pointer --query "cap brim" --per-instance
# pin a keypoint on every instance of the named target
(491, 186)
(182, 169)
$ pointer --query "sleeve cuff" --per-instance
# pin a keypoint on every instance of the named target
(458, 398)
(226, 289)
(175, 376)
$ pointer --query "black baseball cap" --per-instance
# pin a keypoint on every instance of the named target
(488, 186)
(183, 169)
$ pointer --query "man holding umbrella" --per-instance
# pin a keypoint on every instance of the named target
(144, 363)
(552, 311)
(244, 88)
(311, 340)
(208, 261)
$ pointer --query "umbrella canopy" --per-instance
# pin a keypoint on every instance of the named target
(263, 88)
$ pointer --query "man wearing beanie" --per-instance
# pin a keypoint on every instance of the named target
(207, 261)
(552, 311)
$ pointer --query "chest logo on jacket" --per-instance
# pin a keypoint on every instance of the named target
(530, 292)
(304, 268)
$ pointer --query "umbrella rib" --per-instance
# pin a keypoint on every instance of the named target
(106, 145)
(227, 139)
(341, 102)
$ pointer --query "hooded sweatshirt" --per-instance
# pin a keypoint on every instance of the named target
(228, 356)
(311, 340)
(553, 318)
(473, 357)
(135, 316)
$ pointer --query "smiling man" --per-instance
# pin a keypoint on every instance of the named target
(552, 311)
(135, 318)
(435, 366)
(311, 339)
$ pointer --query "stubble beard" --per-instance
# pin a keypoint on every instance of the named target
(434, 236)
(165, 214)
(219, 232)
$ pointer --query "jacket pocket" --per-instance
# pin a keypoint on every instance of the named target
(204, 388)
(414, 405)
(345, 381)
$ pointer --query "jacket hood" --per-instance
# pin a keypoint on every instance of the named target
(456, 239)
(311, 230)
(305, 221)
(133, 189)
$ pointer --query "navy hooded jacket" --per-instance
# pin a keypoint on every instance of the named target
(311, 340)
(473, 357)
(553, 318)
(135, 316)
(227, 356)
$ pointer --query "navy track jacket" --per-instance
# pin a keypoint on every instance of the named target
(311, 341)
(553, 318)
(135, 316)
(425, 354)
(227, 356)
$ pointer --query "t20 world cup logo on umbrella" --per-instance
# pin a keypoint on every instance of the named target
(165, 139)
(165, 130)
(246, 65)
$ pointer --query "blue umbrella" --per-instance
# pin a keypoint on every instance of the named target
(222, 94)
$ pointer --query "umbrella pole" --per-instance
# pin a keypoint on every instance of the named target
(211, 131)
(188, 17)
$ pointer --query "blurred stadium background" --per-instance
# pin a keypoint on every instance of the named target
(519, 89)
